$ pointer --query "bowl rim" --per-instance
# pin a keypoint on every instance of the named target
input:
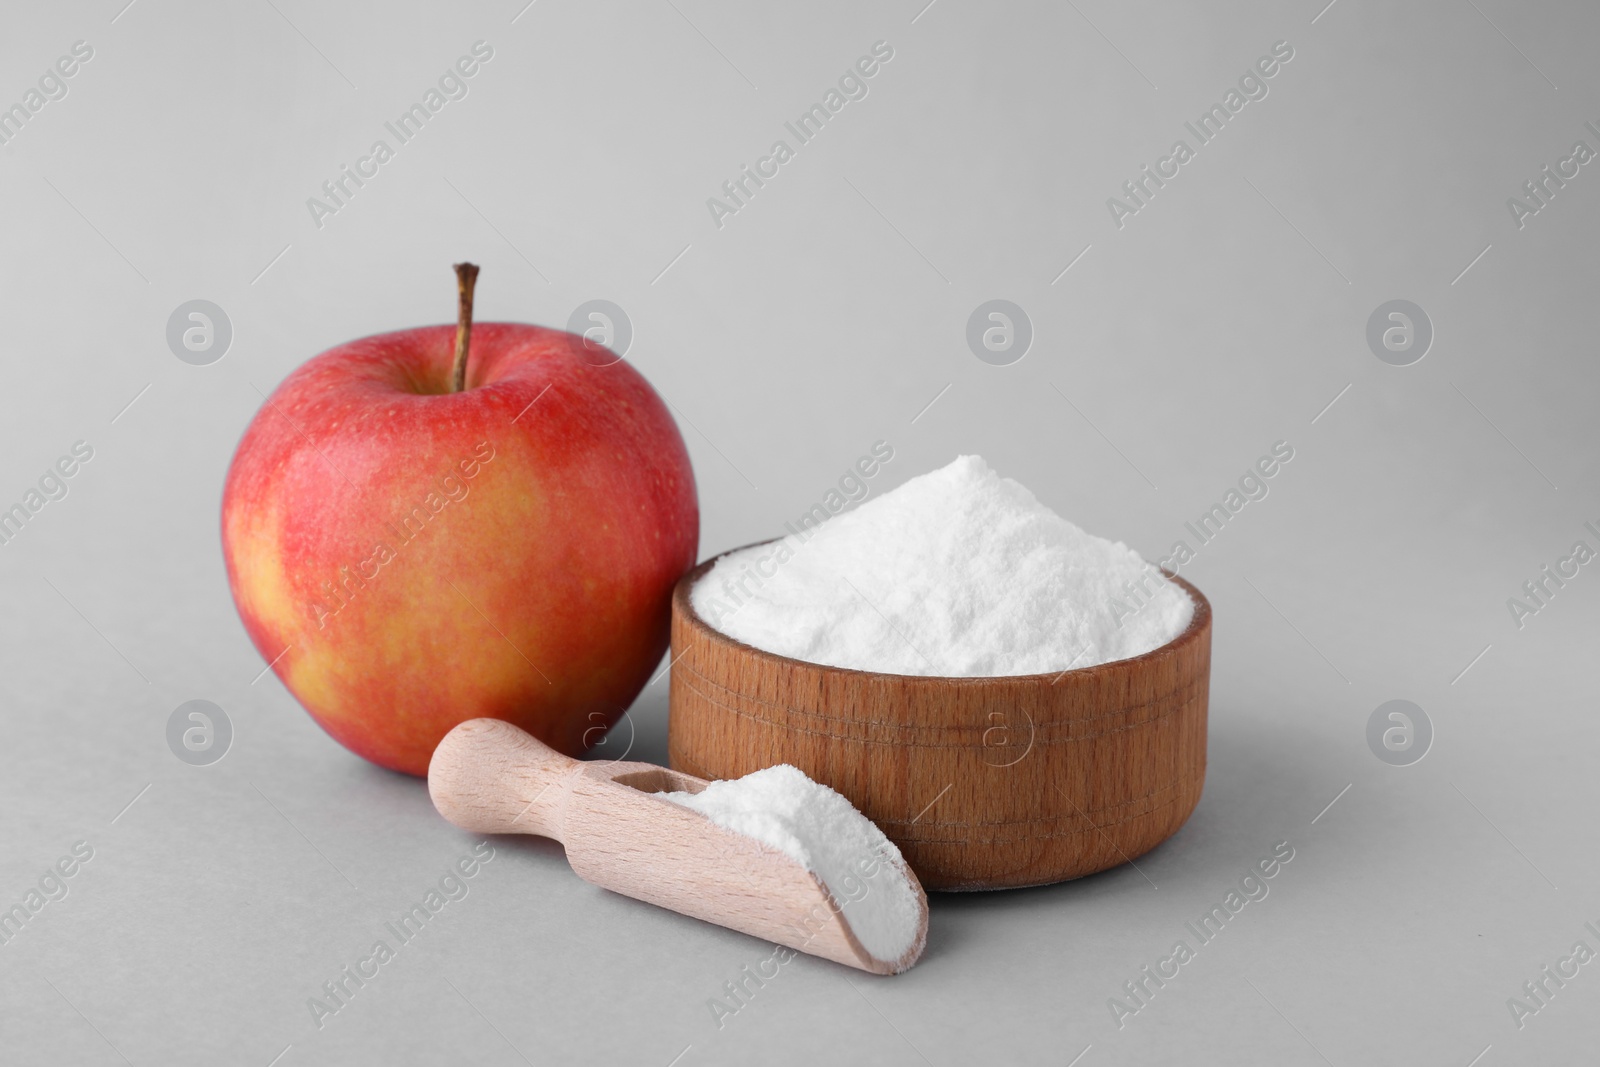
(1199, 625)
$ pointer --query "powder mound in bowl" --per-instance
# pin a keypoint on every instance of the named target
(824, 833)
(957, 573)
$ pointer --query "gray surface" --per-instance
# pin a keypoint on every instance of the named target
(1222, 317)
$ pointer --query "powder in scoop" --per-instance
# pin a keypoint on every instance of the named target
(823, 832)
(958, 572)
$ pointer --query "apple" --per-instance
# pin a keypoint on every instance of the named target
(446, 523)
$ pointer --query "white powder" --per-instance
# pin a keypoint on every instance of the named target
(958, 572)
(824, 833)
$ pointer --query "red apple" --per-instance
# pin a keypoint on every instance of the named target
(408, 557)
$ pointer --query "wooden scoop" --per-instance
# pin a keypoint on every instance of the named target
(488, 776)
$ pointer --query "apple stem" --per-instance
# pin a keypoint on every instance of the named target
(466, 281)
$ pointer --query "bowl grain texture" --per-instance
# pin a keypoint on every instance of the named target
(983, 783)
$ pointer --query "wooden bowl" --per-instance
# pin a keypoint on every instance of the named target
(983, 783)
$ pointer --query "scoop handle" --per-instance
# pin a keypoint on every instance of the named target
(490, 777)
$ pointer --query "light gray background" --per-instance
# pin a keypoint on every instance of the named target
(1225, 316)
